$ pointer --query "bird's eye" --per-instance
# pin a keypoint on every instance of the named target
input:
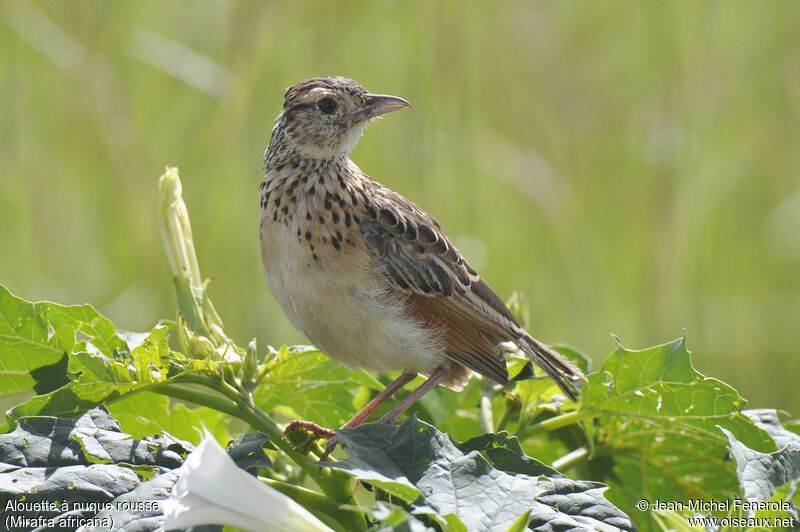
(327, 105)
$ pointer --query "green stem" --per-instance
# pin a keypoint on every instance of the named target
(485, 415)
(336, 484)
(317, 503)
(511, 405)
(571, 459)
(554, 423)
(176, 232)
(263, 423)
(196, 396)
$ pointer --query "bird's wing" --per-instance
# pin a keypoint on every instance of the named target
(444, 290)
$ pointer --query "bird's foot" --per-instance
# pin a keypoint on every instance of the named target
(309, 426)
(305, 434)
(328, 450)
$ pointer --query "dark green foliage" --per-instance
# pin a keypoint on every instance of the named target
(647, 425)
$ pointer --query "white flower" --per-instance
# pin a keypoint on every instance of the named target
(213, 490)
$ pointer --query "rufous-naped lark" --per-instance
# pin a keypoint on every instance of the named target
(368, 276)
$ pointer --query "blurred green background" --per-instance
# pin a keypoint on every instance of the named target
(632, 167)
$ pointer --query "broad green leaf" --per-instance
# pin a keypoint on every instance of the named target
(505, 453)
(87, 459)
(415, 458)
(767, 419)
(36, 339)
(72, 399)
(761, 474)
(99, 379)
(303, 383)
(782, 508)
(381, 457)
(248, 451)
(146, 413)
(672, 521)
(139, 508)
(391, 517)
(454, 412)
(91, 438)
(657, 417)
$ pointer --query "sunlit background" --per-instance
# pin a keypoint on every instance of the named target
(633, 168)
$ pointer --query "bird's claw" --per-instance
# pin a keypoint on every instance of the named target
(316, 432)
(309, 426)
(328, 450)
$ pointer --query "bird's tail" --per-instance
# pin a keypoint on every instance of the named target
(564, 372)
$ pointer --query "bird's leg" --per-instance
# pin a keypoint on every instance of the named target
(436, 377)
(372, 406)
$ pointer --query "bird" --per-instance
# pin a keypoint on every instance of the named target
(369, 277)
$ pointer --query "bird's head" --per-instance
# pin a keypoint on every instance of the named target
(325, 117)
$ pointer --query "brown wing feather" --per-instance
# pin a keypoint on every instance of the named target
(466, 343)
(445, 291)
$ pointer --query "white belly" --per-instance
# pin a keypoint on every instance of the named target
(343, 306)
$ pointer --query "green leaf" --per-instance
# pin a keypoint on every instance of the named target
(391, 517)
(783, 506)
(447, 522)
(303, 383)
(767, 419)
(505, 453)
(248, 451)
(521, 523)
(86, 459)
(657, 417)
(147, 413)
(415, 458)
(670, 520)
(100, 379)
(377, 455)
(453, 412)
(91, 438)
(36, 338)
(138, 509)
(761, 474)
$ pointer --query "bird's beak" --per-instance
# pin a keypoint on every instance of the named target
(376, 105)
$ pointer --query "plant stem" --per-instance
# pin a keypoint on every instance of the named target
(315, 502)
(196, 396)
(549, 425)
(486, 416)
(571, 459)
(263, 423)
(176, 233)
(510, 405)
(486, 420)
(336, 484)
